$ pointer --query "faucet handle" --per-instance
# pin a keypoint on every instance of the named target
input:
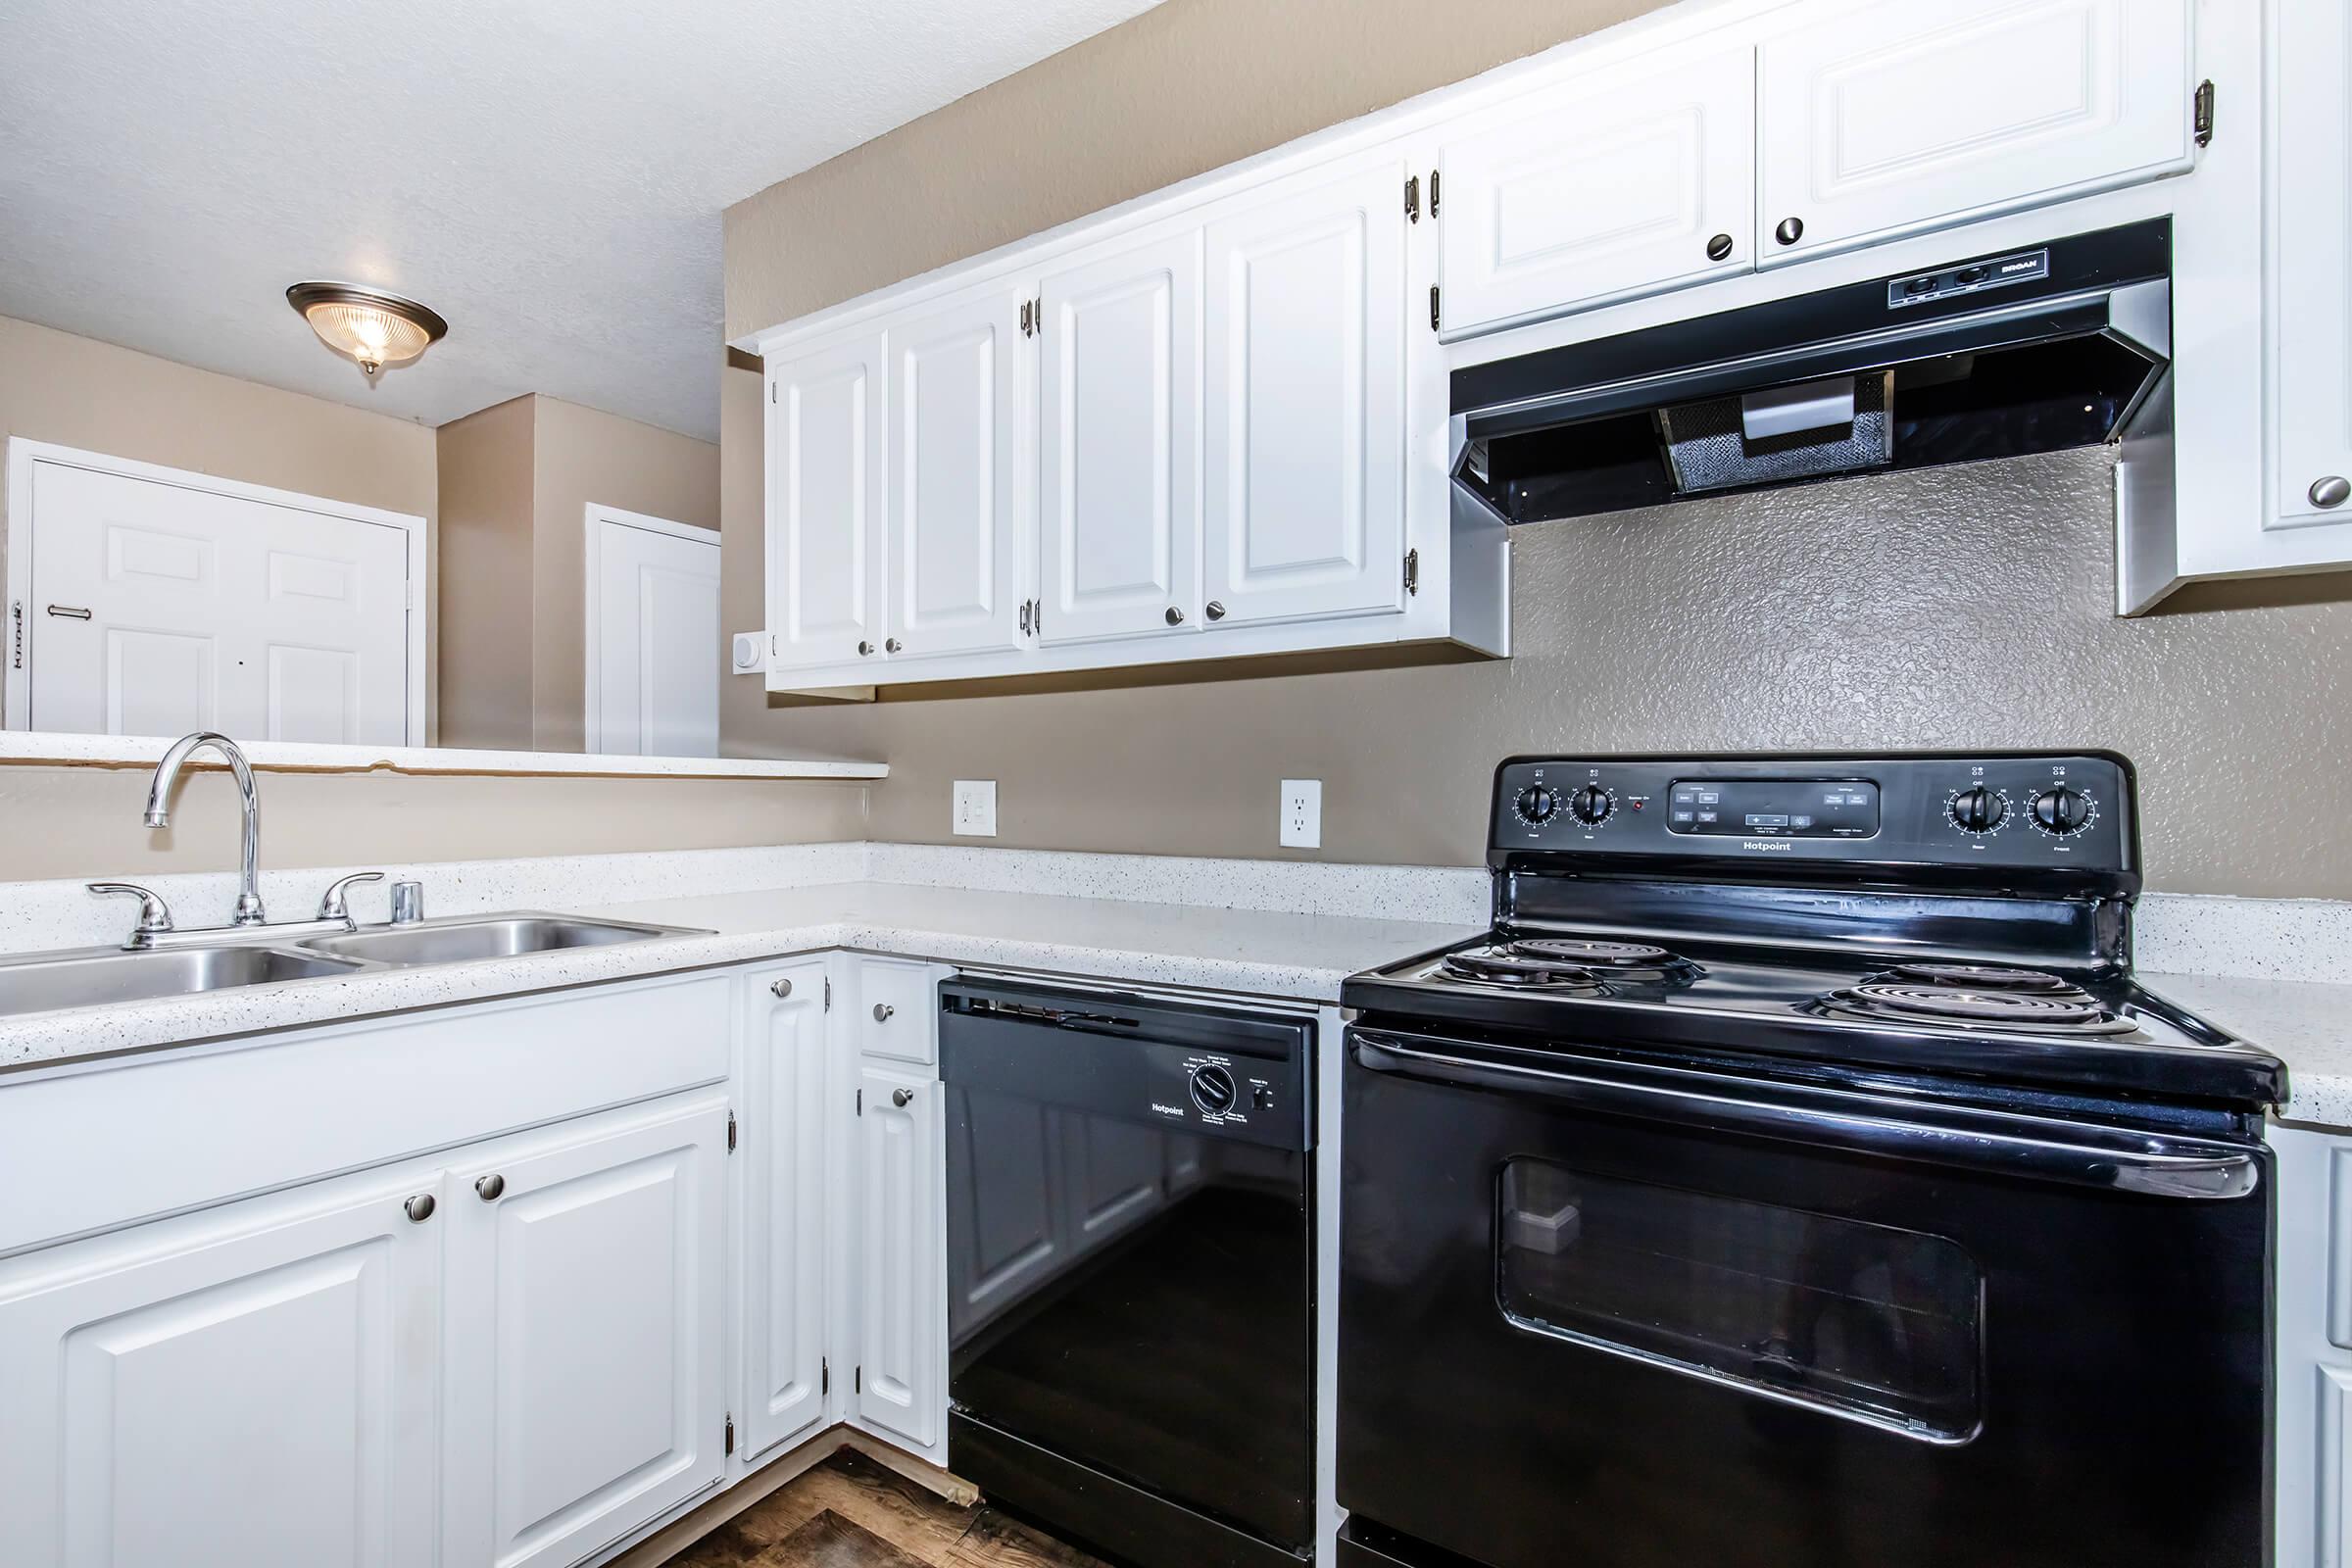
(154, 917)
(330, 904)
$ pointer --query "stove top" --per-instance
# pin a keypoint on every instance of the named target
(1899, 943)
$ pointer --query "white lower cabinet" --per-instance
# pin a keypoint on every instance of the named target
(784, 1073)
(2314, 1340)
(254, 1385)
(585, 1334)
(901, 1319)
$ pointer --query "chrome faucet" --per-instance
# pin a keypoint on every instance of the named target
(159, 810)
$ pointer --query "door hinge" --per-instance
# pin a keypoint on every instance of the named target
(1433, 193)
(2202, 117)
(1412, 571)
(1412, 198)
(730, 1132)
(730, 1434)
(824, 1376)
(1433, 307)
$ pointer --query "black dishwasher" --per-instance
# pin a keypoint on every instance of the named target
(1131, 1269)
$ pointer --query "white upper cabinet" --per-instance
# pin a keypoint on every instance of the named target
(1601, 188)
(958, 540)
(824, 503)
(1304, 515)
(2311, 258)
(1119, 444)
(1900, 117)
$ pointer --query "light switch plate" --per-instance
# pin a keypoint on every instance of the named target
(1303, 814)
(976, 808)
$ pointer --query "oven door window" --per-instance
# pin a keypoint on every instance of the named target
(1864, 1321)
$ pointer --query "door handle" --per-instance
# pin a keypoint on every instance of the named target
(1988, 1141)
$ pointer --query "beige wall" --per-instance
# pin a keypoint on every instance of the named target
(1965, 608)
(78, 392)
(515, 483)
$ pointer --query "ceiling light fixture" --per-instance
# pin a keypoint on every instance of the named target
(366, 325)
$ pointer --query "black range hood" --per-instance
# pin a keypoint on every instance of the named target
(2028, 350)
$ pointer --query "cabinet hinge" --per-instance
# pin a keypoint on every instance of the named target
(1412, 198)
(1024, 617)
(824, 1376)
(730, 1132)
(1433, 193)
(828, 993)
(1433, 307)
(861, 1102)
(772, 391)
(730, 1434)
(2202, 116)
(1036, 617)
(1412, 571)
(15, 617)
(858, 1381)
(1026, 319)
(1036, 316)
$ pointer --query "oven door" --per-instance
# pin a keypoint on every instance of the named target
(1629, 1317)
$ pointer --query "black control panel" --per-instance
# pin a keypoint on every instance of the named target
(2065, 813)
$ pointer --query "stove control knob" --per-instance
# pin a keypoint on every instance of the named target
(1592, 805)
(1978, 810)
(1213, 1090)
(2062, 811)
(1539, 804)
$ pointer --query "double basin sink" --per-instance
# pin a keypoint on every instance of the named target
(92, 977)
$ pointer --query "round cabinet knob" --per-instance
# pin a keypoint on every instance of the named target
(1592, 805)
(1175, 617)
(1790, 230)
(864, 649)
(779, 988)
(1214, 609)
(2062, 811)
(489, 1188)
(1213, 1090)
(2331, 492)
(901, 1098)
(1539, 804)
(1719, 247)
(1978, 810)
(891, 644)
(418, 1208)
(882, 1011)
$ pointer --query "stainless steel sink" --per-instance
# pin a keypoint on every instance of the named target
(95, 977)
(459, 939)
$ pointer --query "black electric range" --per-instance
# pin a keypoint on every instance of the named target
(1796, 1173)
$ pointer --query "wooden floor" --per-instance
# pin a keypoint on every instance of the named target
(848, 1512)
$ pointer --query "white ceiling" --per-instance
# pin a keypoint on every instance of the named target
(549, 174)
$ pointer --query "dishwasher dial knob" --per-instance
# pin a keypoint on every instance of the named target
(1539, 804)
(1213, 1090)
(1592, 805)
(1978, 810)
(2061, 811)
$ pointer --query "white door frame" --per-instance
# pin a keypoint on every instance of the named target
(594, 519)
(23, 454)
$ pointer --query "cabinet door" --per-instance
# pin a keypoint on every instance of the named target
(1119, 445)
(585, 1390)
(1902, 116)
(957, 536)
(1600, 190)
(2312, 247)
(784, 1221)
(824, 503)
(902, 1338)
(1305, 508)
(255, 1384)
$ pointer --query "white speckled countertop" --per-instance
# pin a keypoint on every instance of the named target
(1267, 953)
(2305, 1023)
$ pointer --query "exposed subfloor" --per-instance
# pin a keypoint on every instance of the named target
(850, 1512)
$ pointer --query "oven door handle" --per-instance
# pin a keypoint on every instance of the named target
(2013, 1146)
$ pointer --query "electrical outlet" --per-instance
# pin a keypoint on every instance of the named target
(976, 806)
(1303, 814)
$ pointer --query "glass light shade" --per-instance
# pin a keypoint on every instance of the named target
(372, 327)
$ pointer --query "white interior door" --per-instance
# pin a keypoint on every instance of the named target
(958, 531)
(1304, 510)
(585, 1319)
(1119, 439)
(1600, 189)
(255, 1384)
(652, 644)
(1902, 116)
(156, 608)
(824, 505)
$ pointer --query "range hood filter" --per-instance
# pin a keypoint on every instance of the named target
(1779, 435)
